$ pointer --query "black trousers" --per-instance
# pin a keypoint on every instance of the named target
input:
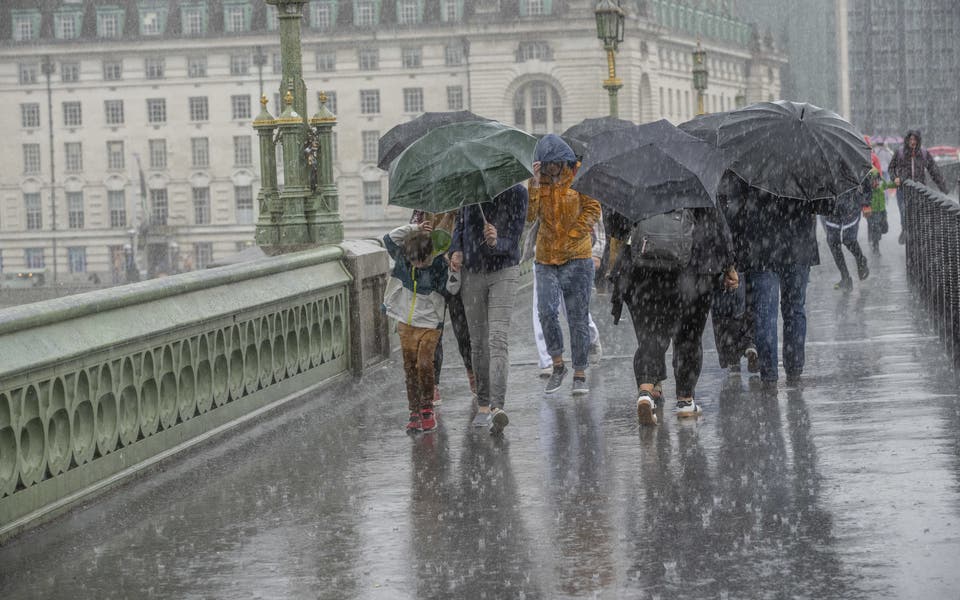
(837, 251)
(458, 321)
(669, 306)
(733, 334)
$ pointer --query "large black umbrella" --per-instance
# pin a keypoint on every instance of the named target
(794, 150)
(578, 136)
(650, 169)
(395, 141)
(705, 126)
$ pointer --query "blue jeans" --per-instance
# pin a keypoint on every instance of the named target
(574, 280)
(786, 285)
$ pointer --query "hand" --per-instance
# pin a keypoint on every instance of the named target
(896, 182)
(731, 279)
(490, 234)
(596, 262)
(456, 261)
(867, 211)
(536, 174)
(426, 226)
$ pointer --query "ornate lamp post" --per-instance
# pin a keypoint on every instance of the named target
(700, 75)
(610, 19)
(47, 68)
(259, 59)
(740, 100)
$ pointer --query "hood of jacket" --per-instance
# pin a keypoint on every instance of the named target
(915, 133)
(552, 148)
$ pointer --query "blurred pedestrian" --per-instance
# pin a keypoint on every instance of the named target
(842, 226)
(912, 162)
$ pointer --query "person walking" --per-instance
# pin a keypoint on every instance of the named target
(564, 257)
(486, 251)
(671, 305)
(842, 227)
(912, 162)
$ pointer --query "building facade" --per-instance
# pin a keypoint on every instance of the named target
(132, 118)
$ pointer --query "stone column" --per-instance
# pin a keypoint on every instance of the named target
(293, 232)
(326, 226)
(268, 200)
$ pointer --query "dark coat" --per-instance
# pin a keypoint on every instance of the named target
(508, 213)
(914, 165)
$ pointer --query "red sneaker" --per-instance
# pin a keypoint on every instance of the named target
(415, 424)
(428, 421)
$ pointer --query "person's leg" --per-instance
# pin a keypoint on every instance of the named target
(688, 340)
(458, 322)
(766, 300)
(408, 348)
(576, 278)
(501, 296)
(543, 357)
(833, 242)
(474, 287)
(547, 281)
(794, 279)
(853, 246)
(426, 348)
(650, 299)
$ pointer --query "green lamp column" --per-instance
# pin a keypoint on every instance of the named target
(294, 234)
(267, 234)
(325, 225)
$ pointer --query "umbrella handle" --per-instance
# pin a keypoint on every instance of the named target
(482, 214)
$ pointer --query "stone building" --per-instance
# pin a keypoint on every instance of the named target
(133, 117)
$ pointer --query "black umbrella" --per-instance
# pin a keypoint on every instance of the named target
(650, 169)
(395, 141)
(704, 127)
(578, 136)
(794, 150)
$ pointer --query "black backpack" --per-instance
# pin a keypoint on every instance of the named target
(663, 242)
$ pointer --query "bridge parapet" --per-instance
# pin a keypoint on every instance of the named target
(97, 386)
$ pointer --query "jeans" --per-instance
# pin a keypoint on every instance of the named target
(488, 302)
(788, 285)
(573, 280)
(543, 356)
(418, 345)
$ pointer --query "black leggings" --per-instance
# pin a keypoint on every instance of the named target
(854, 247)
(458, 320)
(669, 306)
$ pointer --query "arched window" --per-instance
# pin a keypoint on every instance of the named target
(537, 108)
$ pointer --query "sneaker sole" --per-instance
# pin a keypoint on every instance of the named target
(553, 389)
(646, 414)
(581, 392)
(500, 421)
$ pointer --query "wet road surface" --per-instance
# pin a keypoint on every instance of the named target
(846, 488)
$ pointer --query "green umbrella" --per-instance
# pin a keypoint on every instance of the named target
(460, 164)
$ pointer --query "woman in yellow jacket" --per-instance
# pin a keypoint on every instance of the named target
(564, 259)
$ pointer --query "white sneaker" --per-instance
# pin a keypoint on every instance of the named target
(688, 408)
(646, 409)
(595, 353)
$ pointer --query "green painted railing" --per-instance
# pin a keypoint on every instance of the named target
(96, 386)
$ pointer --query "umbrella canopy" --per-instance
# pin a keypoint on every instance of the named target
(794, 150)
(650, 169)
(578, 136)
(460, 164)
(704, 127)
(395, 141)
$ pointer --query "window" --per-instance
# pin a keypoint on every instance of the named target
(115, 158)
(454, 97)
(201, 205)
(77, 259)
(326, 61)
(152, 20)
(370, 141)
(25, 26)
(530, 8)
(331, 101)
(159, 209)
(453, 55)
(112, 70)
(371, 193)
(413, 100)
(154, 68)
(117, 204)
(199, 108)
(369, 102)
(72, 115)
(273, 18)
(203, 254)
(533, 51)
(244, 200)
(240, 64)
(277, 63)
(30, 115)
(450, 10)
(240, 106)
(408, 12)
(235, 18)
(537, 108)
(108, 24)
(156, 110)
(321, 14)
(412, 58)
(69, 72)
(33, 257)
(242, 151)
(113, 109)
(65, 26)
(158, 154)
(73, 153)
(197, 66)
(369, 59)
(75, 210)
(365, 13)
(200, 152)
(34, 213)
(28, 73)
(193, 20)
(31, 159)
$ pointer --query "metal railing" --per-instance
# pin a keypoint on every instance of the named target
(931, 221)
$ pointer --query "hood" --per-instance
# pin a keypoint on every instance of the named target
(551, 148)
(915, 133)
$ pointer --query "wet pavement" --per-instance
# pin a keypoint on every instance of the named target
(846, 488)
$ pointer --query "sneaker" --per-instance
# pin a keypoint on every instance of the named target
(658, 394)
(428, 421)
(863, 271)
(415, 424)
(646, 409)
(498, 421)
(437, 400)
(580, 386)
(546, 372)
(482, 419)
(753, 359)
(844, 284)
(556, 379)
(595, 353)
(688, 408)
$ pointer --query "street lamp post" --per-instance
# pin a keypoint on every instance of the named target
(740, 100)
(610, 18)
(47, 68)
(700, 75)
(259, 59)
